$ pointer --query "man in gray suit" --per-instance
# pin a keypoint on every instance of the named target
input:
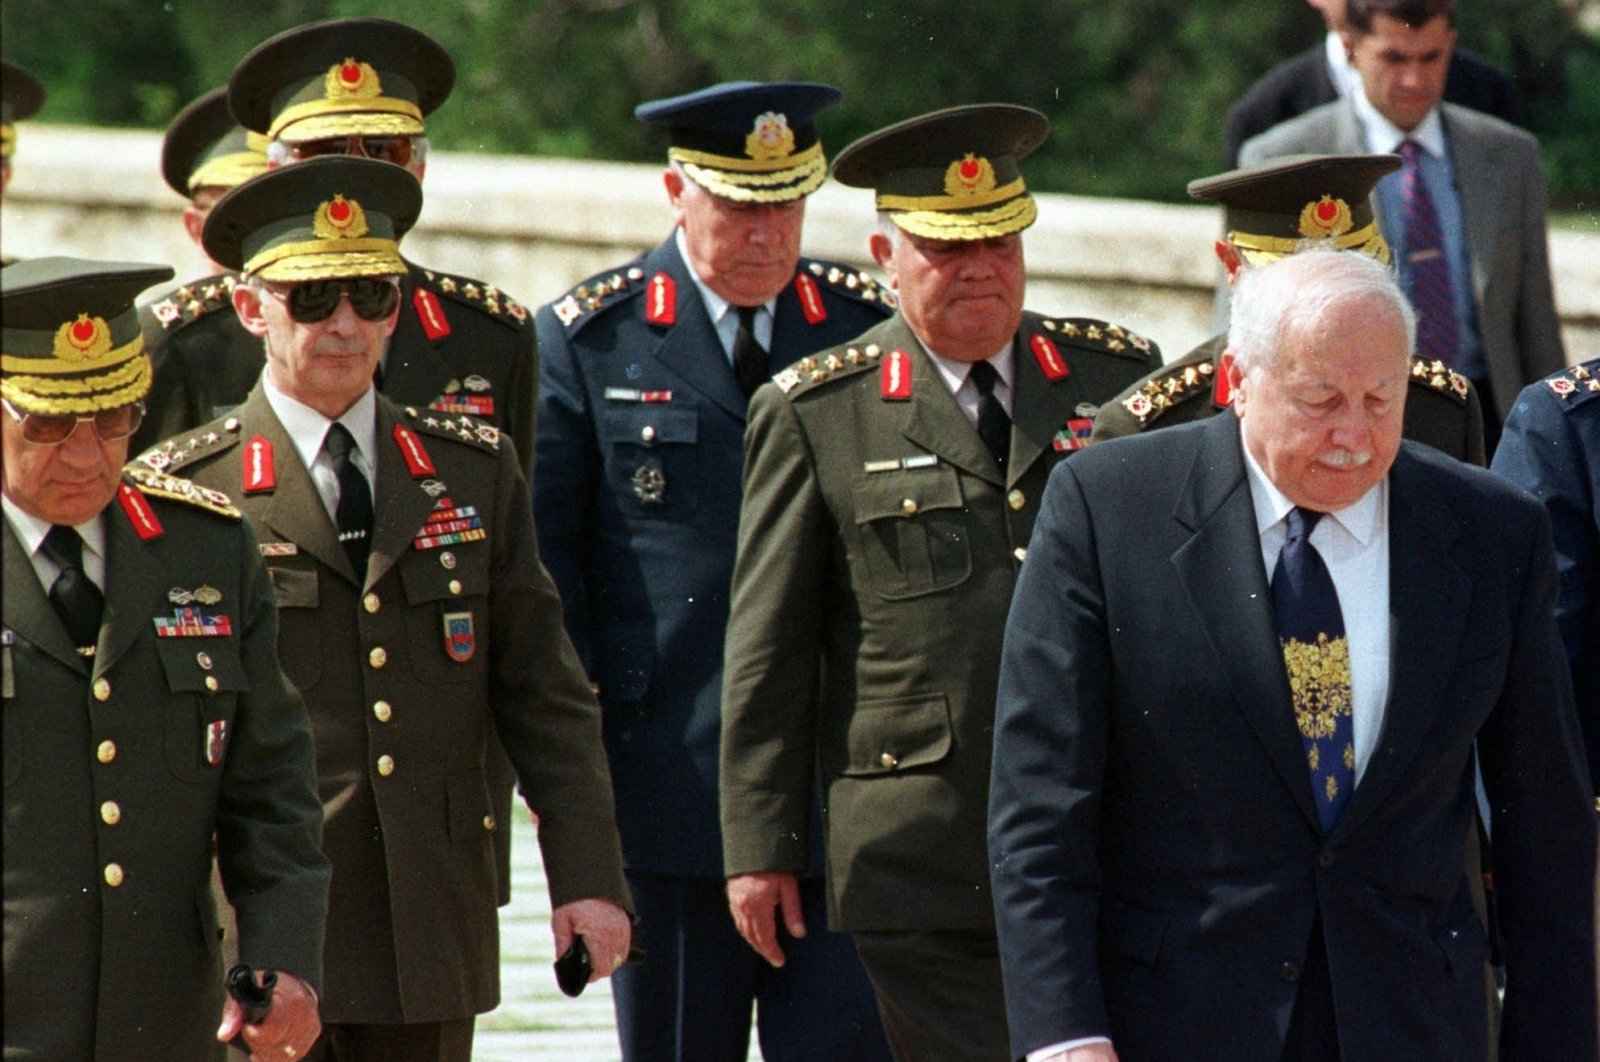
(1466, 213)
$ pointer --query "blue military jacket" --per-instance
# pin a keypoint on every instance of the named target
(636, 492)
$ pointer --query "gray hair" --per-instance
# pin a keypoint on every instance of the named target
(888, 228)
(1301, 290)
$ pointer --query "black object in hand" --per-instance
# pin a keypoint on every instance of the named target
(574, 967)
(256, 999)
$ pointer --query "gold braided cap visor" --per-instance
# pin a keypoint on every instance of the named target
(320, 119)
(1012, 216)
(50, 386)
(768, 186)
(327, 260)
(8, 140)
(228, 171)
(1264, 250)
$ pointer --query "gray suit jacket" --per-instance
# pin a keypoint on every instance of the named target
(1500, 180)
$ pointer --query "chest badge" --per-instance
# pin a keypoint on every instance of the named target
(216, 742)
(649, 484)
(460, 639)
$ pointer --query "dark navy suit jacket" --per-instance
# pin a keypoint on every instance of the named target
(1158, 864)
(637, 501)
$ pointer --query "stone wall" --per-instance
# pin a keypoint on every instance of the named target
(536, 226)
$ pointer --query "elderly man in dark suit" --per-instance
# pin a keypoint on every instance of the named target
(1248, 667)
(1322, 74)
(414, 616)
(1466, 213)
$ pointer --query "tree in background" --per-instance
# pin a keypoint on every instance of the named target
(1136, 89)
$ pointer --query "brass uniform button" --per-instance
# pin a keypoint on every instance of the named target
(1021, 553)
(110, 813)
(383, 711)
(114, 875)
(888, 759)
(102, 689)
(909, 506)
(211, 683)
(204, 660)
(648, 433)
(378, 657)
(455, 587)
(106, 751)
(386, 765)
(488, 822)
(370, 603)
(1016, 499)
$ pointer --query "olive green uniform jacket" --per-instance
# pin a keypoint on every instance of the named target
(879, 544)
(406, 672)
(1441, 405)
(118, 771)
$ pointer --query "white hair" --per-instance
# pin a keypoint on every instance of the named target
(888, 228)
(1300, 291)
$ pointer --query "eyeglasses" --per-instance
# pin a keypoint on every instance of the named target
(51, 429)
(372, 298)
(395, 149)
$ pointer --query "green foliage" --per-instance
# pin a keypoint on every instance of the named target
(1136, 90)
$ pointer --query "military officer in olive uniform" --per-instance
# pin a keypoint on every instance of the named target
(204, 153)
(415, 618)
(647, 372)
(890, 487)
(1272, 210)
(1551, 448)
(144, 712)
(21, 95)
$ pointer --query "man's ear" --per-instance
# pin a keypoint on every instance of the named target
(1232, 377)
(1228, 255)
(672, 181)
(247, 304)
(194, 222)
(882, 251)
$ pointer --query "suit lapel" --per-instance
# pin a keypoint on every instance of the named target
(294, 510)
(1423, 638)
(402, 503)
(1221, 573)
(28, 611)
(934, 420)
(690, 348)
(415, 372)
(133, 586)
(1478, 186)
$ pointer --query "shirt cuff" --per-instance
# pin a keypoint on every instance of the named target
(1066, 1045)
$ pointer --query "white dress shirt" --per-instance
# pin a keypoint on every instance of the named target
(724, 316)
(1345, 79)
(31, 530)
(957, 375)
(308, 429)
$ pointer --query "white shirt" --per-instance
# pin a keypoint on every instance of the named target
(1383, 137)
(724, 315)
(957, 375)
(308, 429)
(31, 530)
(1345, 79)
(1354, 544)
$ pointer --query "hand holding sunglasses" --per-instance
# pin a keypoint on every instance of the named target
(372, 298)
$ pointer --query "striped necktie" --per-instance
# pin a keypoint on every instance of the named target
(1431, 290)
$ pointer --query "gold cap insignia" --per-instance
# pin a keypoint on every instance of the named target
(969, 175)
(770, 138)
(339, 219)
(1326, 218)
(86, 339)
(352, 80)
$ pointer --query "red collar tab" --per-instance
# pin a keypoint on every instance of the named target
(661, 300)
(140, 514)
(416, 458)
(430, 311)
(260, 472)
(810, 299)
(895, 376)
(1221, 393)
(1050, 361)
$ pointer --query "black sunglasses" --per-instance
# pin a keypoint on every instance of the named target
(50, 429)
(395, 149)
(310, 301)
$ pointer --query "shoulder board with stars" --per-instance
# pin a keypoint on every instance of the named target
(1089, 333)
(155, 484)
(485, 298)
(457, 426)
(817, 368)
(1576, 385)
(192, 301)
(580, 305)
(181, 450)
(852, 283)
(1169, 389)
(1437, 376)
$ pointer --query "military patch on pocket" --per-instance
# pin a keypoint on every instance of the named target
(216, 741)
(460, 640)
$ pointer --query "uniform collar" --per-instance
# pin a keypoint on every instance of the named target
(308, 428)
(1383, 136)
(954, 373)
(31, 529)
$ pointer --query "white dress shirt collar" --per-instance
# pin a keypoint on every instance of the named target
(1383, 136)
(1362, 519)
(31, 530)
(308, 428)
(720, 310)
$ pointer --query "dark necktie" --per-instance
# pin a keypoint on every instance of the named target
(353, 515)
(994, 425)
(75, 597)
(1317, 657)
(749, 359)
(1431, 290)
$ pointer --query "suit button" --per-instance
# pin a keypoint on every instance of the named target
(110, 813)
(204, 660)
(211, 683)
(102, 690)
(1326, 860)
(370, 603)
(1289, 972)
(1021, 553)
(378, 657)
(106, 751)
(113, 875)
(648, 433)
(909, 506)
(488, 822)
(455, 587)
(1016, 499)
(888, 759)
(386, 765)
(382, 710)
